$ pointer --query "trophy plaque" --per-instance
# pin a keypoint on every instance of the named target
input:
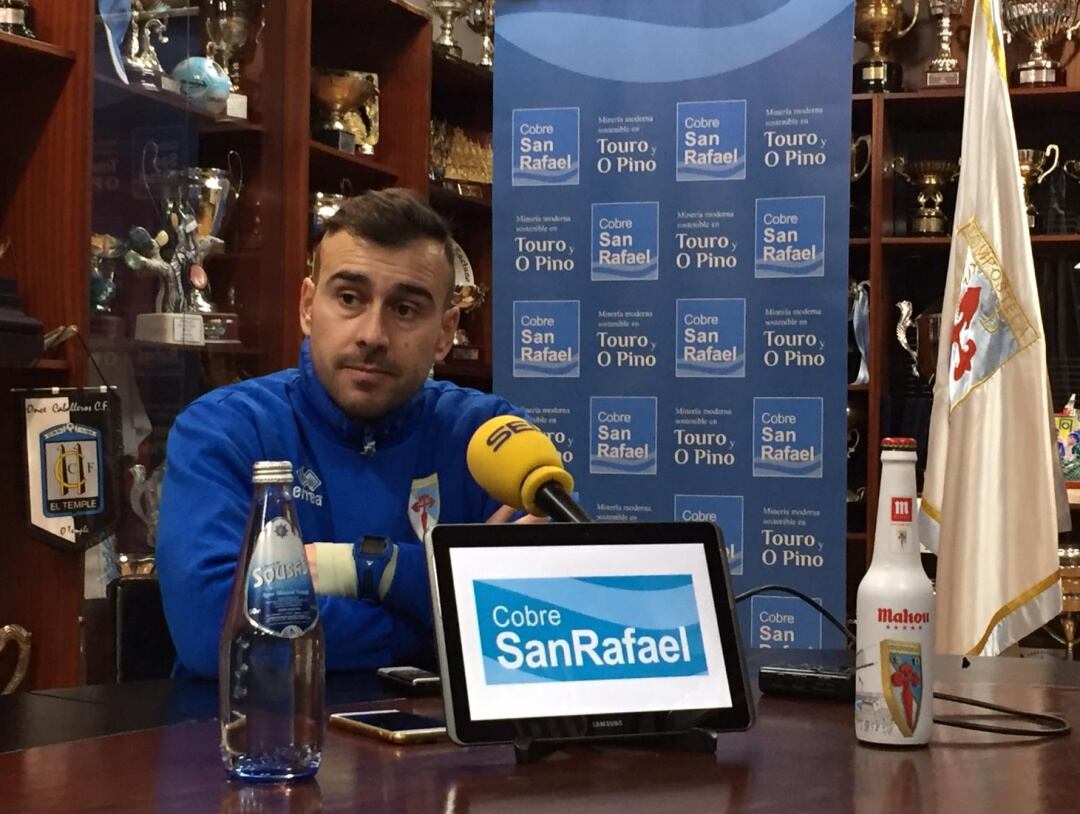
(944, 69)
(876, 23)
(1040, 23)
(927, 219)
(1032, 173)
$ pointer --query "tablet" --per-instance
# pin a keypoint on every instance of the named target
(566, 631)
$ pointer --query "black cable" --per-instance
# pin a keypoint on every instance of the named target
(808, 600)
(1051, 725)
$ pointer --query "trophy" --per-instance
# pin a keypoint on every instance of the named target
(324, 205)
(141, 61)
(876, 22)
(927, 219)
(338, 92)
(944, 70)
(1069, 557)
(927, 327)
(439, 150)
(481, 19)
(449, 11)
(1032, 173)
(859, 296)
(17, 17)
(363, 122)
(858, 221)
(856, 427)
(230, 26)
(146, 498)
(20, 636)
(1040, 22)
(1072, 169)
(195, 204)
(105, 250)
(468, 296)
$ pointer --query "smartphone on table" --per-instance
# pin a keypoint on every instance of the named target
(392, 725)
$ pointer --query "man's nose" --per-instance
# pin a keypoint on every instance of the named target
(371, 328)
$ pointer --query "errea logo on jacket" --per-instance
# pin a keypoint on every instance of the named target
(307, 488)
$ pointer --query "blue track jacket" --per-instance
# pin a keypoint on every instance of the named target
(340, 495)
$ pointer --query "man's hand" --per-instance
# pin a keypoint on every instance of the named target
(504, 513)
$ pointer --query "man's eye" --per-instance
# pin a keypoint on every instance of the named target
(348, 298)
(405, 309)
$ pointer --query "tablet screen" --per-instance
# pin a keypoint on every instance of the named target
(557, 630)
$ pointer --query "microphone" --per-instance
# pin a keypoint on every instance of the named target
(517, 464)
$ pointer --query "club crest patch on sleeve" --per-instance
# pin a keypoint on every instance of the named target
(423, 505)
(989, 326)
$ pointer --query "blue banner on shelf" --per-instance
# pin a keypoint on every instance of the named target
(670, 252)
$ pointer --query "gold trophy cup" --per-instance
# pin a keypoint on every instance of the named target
(337, 93)
(927, 219)
(1040, 22)
(876, 23)
(1032, 173)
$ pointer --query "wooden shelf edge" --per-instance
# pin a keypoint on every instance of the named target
(362, 162)
(12, 45)
(437, 193)
(856, 536)
(858, 388)
(209, 122)
(40, 364)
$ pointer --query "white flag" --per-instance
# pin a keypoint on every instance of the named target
(988, 506)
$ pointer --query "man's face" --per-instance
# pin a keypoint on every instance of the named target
(377, 319)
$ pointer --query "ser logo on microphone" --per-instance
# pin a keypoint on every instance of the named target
(504, 432)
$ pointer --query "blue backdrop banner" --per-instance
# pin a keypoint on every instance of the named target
(670, 267)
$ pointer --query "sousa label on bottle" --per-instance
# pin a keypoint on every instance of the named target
(279, 597)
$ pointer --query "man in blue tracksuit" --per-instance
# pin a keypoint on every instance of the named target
(378, 450)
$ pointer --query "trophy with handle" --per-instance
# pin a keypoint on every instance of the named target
(929, 176)
(876, 23)
(1033, 171)
(1040, 22)
(20, 637)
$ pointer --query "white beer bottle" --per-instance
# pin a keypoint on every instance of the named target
(894, 658)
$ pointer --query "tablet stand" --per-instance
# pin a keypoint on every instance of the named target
(702, 741)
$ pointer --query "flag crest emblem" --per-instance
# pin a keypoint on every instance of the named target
(902, 682)
(423, 506)
(989, 326)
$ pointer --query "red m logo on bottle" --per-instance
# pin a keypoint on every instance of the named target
(901, 509)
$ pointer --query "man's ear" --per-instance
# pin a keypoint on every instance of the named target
(450, 319)
(307, 300)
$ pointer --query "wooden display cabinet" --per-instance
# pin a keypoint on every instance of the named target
(920, 123)
(74, 122)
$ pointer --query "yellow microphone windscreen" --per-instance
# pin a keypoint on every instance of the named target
(504, 451)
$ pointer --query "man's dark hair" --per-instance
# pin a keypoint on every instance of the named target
(391, 218)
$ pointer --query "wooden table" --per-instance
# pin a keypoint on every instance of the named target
(801, 757)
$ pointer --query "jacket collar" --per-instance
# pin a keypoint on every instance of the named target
(365, 436)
